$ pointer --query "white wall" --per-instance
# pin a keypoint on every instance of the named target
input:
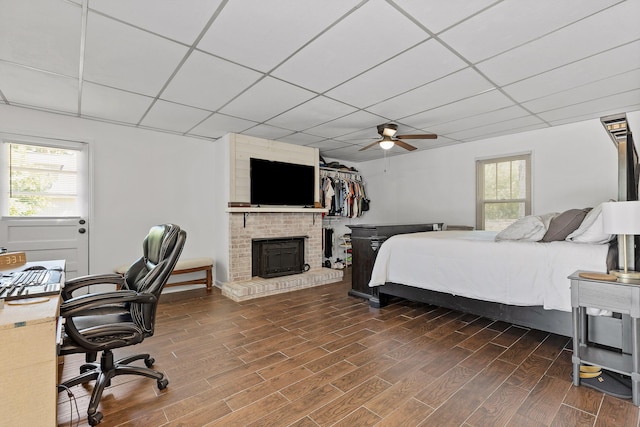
(220, 217)
(573, 166)
(140, 178)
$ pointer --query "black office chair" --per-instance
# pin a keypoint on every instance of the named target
(100, 322)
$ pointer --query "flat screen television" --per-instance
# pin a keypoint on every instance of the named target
(281, 184)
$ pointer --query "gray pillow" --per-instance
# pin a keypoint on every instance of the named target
(564, 224)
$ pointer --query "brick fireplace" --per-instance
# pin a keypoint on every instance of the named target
(244, 227)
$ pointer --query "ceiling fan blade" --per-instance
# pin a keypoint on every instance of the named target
(404, 145)
(419, 136)
(369, 146)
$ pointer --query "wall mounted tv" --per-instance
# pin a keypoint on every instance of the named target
(281, 184)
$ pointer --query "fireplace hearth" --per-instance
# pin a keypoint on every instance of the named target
(273, 257)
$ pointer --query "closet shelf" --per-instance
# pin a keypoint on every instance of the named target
(324, 168)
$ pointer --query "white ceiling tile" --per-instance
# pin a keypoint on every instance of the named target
(479, 120)
(442, 141)
(175, 117)
(35, 88)
(598, 89)
(267, 132)
(300, 138)
(44, 34)
(328, 144)
(496, 128)
(488, 101)
(437, 15)
(462, 84)
(511, 23)
(121, 56)
(366, 135)
(407, 71)
(113, 104)
(346, 125)
(578, 73)
(312, 113)
(208, 82)
(352, 153)
(591, 116)
(606, 30)
(262, 34)
(219, 125)
(267, 98)
(173, 19)
(352, 46)
(510, 131)
(631, 97)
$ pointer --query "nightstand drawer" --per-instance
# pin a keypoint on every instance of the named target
(604, 296)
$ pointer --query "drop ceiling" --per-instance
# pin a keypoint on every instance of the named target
(324, 73)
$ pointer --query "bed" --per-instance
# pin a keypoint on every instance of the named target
(473, 264)
(521, 282)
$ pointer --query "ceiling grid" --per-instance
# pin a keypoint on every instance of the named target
(324, 73)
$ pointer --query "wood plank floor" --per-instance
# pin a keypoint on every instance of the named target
(318, 357)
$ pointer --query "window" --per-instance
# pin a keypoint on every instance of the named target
(43, 181)
(503, 192)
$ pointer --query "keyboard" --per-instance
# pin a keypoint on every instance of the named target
(30, 284)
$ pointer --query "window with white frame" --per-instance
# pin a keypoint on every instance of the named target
(503, 192)
(43, 180)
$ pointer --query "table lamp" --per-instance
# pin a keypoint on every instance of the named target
(622, 218)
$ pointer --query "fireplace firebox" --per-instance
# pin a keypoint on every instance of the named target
(275, 257)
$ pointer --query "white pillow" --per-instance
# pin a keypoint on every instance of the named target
(530, 228)
(591, 229)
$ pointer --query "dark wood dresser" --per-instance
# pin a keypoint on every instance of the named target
(365, 240)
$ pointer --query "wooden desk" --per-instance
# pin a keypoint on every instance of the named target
(28, 359)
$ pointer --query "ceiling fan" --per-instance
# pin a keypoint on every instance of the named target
(387, 132)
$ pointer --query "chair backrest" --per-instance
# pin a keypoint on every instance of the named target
(149, 274)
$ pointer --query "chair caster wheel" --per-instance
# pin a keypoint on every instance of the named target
(163, 383)
(149, 362)
(95, 418)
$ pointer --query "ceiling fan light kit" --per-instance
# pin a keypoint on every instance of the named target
(386, 143)
(388, 130)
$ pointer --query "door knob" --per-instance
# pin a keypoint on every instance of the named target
(82, 230)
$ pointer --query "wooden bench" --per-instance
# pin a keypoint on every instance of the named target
(185, 266)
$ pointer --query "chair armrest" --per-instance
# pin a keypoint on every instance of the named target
(91, 304)
(76, 283)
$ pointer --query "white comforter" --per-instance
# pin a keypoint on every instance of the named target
(472, 264)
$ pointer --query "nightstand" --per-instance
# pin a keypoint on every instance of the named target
(617, 297)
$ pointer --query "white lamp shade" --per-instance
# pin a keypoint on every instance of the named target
(621, 217)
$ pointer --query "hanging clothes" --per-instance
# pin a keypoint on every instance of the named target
(342, 193)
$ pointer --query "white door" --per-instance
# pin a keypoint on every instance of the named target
(45, 203)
